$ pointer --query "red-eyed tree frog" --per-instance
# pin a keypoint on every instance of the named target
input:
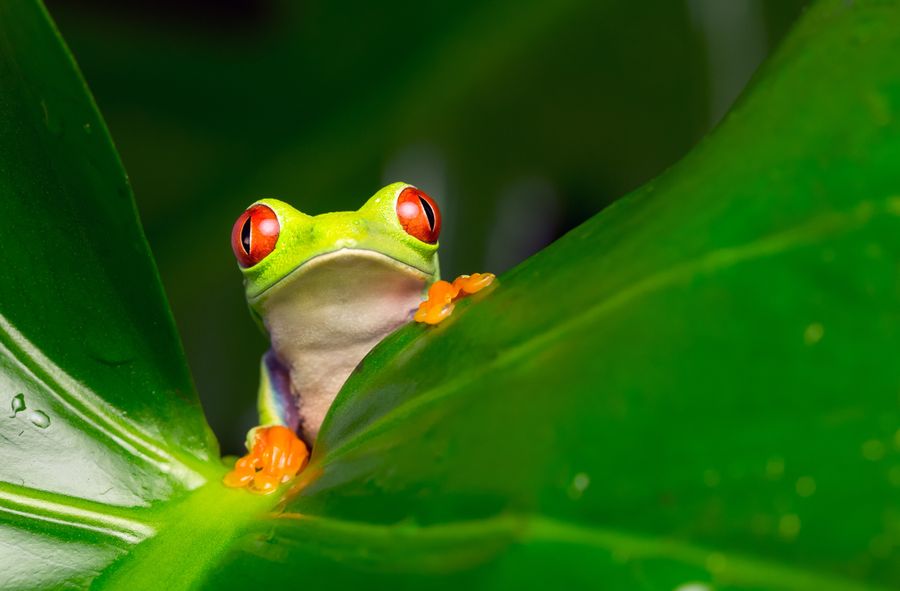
(327, 289)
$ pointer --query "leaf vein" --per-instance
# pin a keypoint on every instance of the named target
(62, 510)
(83, 404)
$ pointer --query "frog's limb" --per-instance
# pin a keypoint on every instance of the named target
(275, 402)
(276, 454)
(442, 295)
(276, 457)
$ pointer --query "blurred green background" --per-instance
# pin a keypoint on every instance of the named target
(521, 118)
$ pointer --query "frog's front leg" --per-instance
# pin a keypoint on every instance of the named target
(442, 296)
(276, 454)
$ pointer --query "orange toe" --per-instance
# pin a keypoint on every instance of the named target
(442, 294)
(431, 313)
(264, 483)
(442, 291)
(438, 305)
(277, 454)
(237, 479)
(473, 283)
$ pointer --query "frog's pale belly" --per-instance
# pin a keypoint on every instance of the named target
(328, 314)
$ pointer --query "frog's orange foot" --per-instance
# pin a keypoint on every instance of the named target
(276, 456)
(469, 284)
(443, 294)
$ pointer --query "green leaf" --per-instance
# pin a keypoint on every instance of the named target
(100, 422)
(698, 385)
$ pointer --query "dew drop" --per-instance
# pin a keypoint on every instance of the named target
(581, 481)
(109, 352)
(774, 468)
(894, 476)
(806, 486)
(873, 450)
(17, 404)
(579, 484)
(789, 526)
(693, 586)
(813, 333)
(893, 205)
(39, 419)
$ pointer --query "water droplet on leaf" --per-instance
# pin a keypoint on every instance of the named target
(806, 486)
(579, 484)
(39, 419)
(813, 333)
(873, 450)
(789, 526)
(110, 351)
(774, 468)
(17, 405)
(894, 476)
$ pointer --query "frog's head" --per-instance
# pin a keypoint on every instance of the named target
(272, 240)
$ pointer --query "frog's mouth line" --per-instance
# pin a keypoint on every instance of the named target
(340, 252)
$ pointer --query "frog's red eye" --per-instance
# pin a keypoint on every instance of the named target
(419, 215)
(254, 234)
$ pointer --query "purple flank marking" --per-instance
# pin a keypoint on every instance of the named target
(280, 379)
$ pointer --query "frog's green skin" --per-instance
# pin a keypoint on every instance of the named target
(334, 286)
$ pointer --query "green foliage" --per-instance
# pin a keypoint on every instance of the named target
(522, 117)
(699, 384)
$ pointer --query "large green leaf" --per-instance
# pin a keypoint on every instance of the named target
(101, 422)
(700, 384)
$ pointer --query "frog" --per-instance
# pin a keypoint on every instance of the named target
(326, 289)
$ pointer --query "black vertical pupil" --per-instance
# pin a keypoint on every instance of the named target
(429, 212)
(245, 235)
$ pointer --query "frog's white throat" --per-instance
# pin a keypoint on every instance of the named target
(327, 314)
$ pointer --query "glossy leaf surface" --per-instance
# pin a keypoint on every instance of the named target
(698, 385)
(100, 420)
